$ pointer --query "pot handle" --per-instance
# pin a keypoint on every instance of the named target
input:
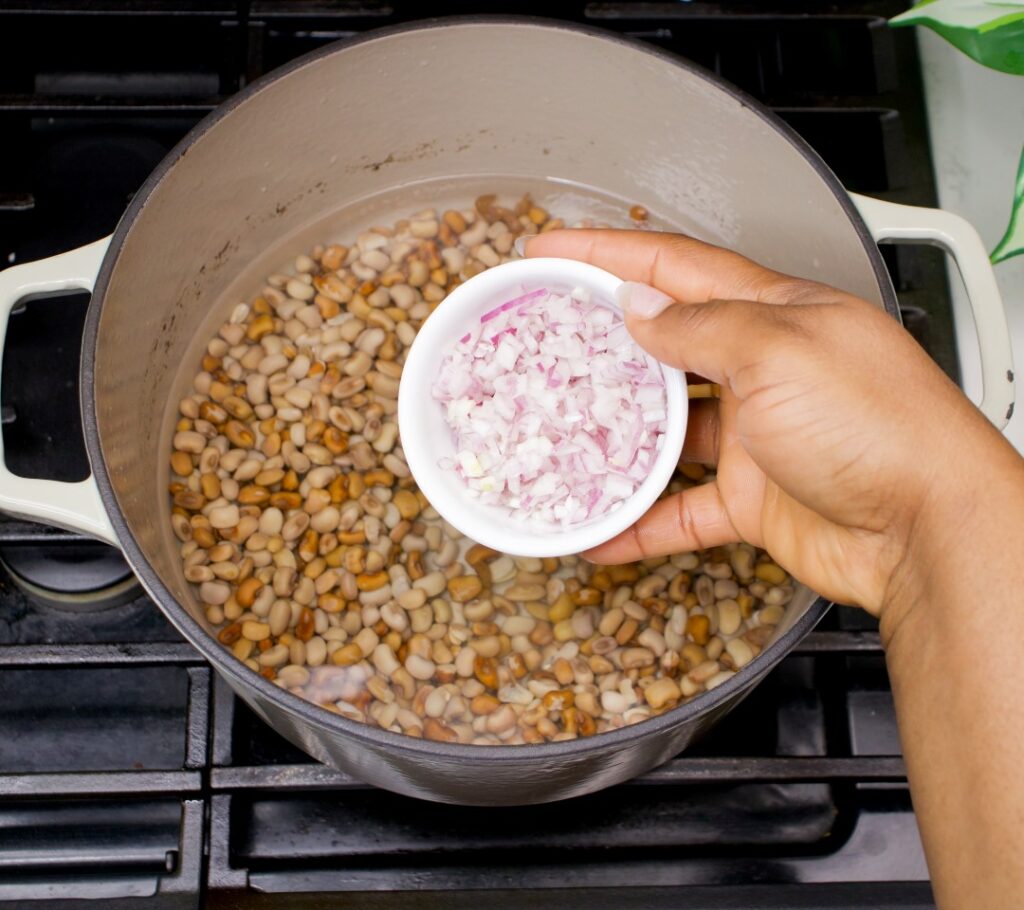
(74, 506)
(894, 223)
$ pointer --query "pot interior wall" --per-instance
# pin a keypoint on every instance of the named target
(407, 117)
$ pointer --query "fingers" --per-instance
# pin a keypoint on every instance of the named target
(692, 520)
(685, 269)
(701, 445)
(720, 340)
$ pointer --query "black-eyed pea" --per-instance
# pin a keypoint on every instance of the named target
(740, 652)
(561, 609)
(255, 631)
(326, 581)
(316, 651)
(502, 569)
(652, 640)
(587, 596)
(197, 574)
(662, 692)
(582, 625)
(770, 573)
(726, 588)
(703, 671)
(582, 674)
(715, 647)
(626, 631)
(346, 655)
(610, 621)
(690, 687)
(275, 656)
(563, 631)
(214, 592)
(698, 628)
(614, 702)
(563, 671)
(279, 617)
(395, 617)
(633, 658)
(488, 646)
(537, 610)
(650, 586)
(770, 615)
(718, 679)
(730, 617)
(464, 588)
(419, 667)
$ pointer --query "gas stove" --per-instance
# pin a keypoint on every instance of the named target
(131, 776)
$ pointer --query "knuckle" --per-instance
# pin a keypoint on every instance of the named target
(688, 525)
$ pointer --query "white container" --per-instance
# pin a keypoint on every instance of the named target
(427, 438)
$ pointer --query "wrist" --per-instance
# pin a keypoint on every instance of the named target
(966, 535)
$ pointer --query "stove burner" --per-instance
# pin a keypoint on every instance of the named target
(84, 576)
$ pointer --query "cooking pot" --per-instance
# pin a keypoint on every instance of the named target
(395, 119)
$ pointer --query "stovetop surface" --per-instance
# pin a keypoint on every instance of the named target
(130, 775)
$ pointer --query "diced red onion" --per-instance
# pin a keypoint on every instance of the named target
(556, 414)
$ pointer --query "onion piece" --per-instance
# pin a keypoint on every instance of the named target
(556, 414)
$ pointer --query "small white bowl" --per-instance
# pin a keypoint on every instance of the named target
(427, 439)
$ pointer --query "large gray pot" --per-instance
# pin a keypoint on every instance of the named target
(408, 107)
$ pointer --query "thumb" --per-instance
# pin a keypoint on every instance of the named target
(717, 339)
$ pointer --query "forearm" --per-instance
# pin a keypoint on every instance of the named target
(954, 633)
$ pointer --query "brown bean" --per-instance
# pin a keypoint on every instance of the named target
(464, 588)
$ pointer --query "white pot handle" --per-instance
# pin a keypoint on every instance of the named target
(75, 506)
(888, 221)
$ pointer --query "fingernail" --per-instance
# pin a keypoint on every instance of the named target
(641, 300)
(520, 245)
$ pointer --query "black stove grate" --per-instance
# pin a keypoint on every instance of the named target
(128, 775)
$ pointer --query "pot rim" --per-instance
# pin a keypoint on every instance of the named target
(308, 712)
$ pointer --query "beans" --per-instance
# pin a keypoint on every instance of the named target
(214, 592)
(648, 587)
(718, 679)
(432, 584)
(255, 631)
(740, 652)
(661, 692)
(246, 592)
(387, 437)
(770, 615)
(322, 566)
(189, 441)
(729, 617)
(279, 617)
(636, 657)
(653, 640)
(614, 702)
(770, 573)
(502, 720)
(484, 704)
(778, 596)
(420, 667)
(395, 617)
(698, 627)
(464, 588)
(525, 592)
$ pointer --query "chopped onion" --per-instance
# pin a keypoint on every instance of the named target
(556, 414)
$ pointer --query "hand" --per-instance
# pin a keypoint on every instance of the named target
(834, 432)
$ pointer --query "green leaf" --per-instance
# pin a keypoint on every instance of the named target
(988, 31)
(1012, 243)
